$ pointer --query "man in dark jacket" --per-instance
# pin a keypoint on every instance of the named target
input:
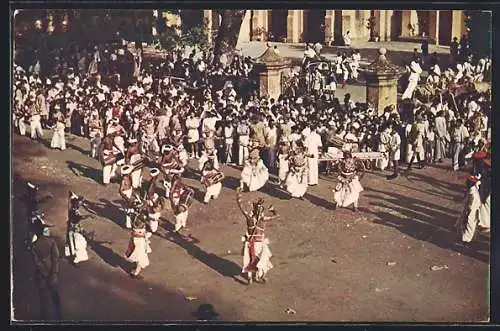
(45, 255)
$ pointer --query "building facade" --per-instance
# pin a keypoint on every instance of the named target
(320, 25)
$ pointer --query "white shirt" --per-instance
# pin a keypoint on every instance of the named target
(313, 143)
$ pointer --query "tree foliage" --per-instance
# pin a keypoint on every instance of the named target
(229, 30)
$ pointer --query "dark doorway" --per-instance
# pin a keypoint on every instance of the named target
(396, 24)
(278, 25)
(191, 18)
(423, 22)
(445, 21)
(314, 26)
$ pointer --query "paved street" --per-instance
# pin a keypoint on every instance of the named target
(397, 52)
(375, 265)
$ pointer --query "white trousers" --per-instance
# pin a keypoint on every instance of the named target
(136, 178)
(412, 84)
(213, 191)
(180, 220)
(22, 127)
(243, 149)
(108, 171)
(36, 128)
(313, 176)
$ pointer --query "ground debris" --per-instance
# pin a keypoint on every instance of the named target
(290, 311)
(377, 289)
(364, 236)
(391, 263)
(334, 261)
(437, 267)
(191, 298)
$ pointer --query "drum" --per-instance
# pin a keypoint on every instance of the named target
(213, 178)
(186, 198)
(109, 158)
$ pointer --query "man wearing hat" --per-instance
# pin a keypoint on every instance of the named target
(46, 258)
(133, 157)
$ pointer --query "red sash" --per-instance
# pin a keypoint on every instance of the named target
(254, 260)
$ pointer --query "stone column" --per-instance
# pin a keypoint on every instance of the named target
(301, 25)
(259, 25)
(338, 38)
(409, 17)
(434, 27)
(270, 66)
(292, 27)
(381, 83)
(457, 24)
(329, 23)
(207, 17)
(387, 25)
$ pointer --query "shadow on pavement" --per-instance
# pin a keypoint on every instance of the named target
(424, 221)
(106, 209)
(84, 170)
(224, 267)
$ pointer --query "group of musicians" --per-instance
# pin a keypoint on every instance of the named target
(297, 169)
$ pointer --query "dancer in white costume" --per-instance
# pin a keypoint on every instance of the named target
(297, 177)
(212, 178)
(283, 162)
(349, 187)
(139, 247)
(254, 174)
(256, 252)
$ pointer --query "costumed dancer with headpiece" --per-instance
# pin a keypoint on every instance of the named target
(177, 140)
(127, 193)
(58, 139)
(347, 190)
(212, 178)
(256, 252)
(76, 245)
(297, 177)
(108, 156)
(133, 157)
(209, 153)
(254, 174)
(170, 165)
(181, 197)
(139, 246)
(154, 201)
(283, 160)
